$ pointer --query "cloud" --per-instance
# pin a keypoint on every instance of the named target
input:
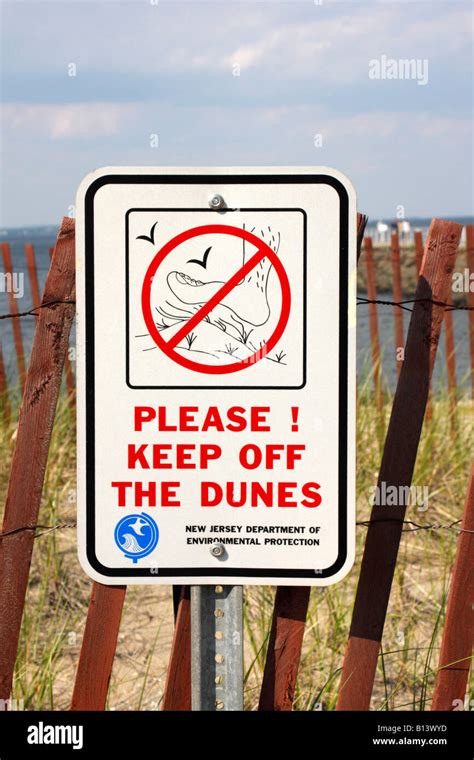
(339, 46)
(62, 122)
(381, 126)
(290, 39)
(270, 49)
(167, 69)
(289, 53)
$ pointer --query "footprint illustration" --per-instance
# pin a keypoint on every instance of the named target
(248, 300)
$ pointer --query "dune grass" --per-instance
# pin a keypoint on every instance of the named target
(58, 591)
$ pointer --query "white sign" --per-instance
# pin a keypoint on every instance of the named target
(216, 375)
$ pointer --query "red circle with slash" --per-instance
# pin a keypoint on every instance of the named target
(263, 250)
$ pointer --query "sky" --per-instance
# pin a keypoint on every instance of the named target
(249, 83)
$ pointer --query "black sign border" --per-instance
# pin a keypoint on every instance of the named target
(218, 571)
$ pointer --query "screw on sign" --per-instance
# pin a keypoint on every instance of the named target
(217, 550)
(226, 291)
(217, 202)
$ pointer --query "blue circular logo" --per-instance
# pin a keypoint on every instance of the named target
(136, 535)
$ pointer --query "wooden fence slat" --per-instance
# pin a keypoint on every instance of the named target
(4, 398)
(16, 326)
(176, 593)
(398, 461)
(373, 322)
(450, 359)
(418, 250)
(31, 448)
(98, 647)
(418, 263)
(70, 380)
(458, 635)
(470, 293)
(397, 297)
(102, 625)
(33, 275)
(362, 220)
(68, 372)
(289, 617)
(177, 694)
(284, 648)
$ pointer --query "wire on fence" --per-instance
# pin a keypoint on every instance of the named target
(416, 526)
(362, 523)
(44, 528)
(360, 302)
(448, 306)
(32, 312)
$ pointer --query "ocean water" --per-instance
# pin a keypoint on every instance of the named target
(43, 238)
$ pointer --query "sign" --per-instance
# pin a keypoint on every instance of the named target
(216, 375)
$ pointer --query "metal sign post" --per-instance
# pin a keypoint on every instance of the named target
(217, 648)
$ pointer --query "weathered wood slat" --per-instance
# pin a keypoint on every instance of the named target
(16, 326)
(32, 445)
(68, 371)
(373, 322)
(470, 294)
(284, 648)
(362, 220)
(418, 250)
(177, 694)
(32, 274)
(450, 361)
(397, 297)
(398, 462)
(4, 397)
(458, 635)
(98, 647)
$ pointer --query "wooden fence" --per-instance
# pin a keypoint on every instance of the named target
(375, 302)
(42, 384)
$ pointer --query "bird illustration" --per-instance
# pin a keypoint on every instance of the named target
(138, 525)
(151, 237)
(202, 263)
